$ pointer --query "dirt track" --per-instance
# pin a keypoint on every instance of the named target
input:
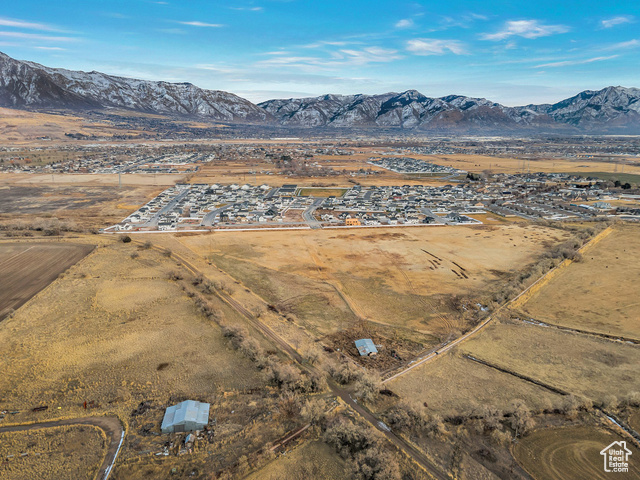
(110, 425)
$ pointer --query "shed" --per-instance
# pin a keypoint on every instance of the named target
(187, 416)
(366, 347)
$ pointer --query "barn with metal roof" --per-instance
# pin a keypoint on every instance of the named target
(366, 347)
(187, 416)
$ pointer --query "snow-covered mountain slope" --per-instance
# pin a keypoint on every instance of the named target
(30, 85)
(611, 109)
(27, 84)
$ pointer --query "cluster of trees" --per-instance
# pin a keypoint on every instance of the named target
(48, 226)
(365, 448)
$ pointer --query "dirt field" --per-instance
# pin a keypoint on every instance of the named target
(400, 277)
(27, 268)
(598, 294)
(25, 206)
(454, 385)
(313, 460)
(634, 421)
(115, 331)
(479, 163)
(571, 453)
(21, 127)
(85, 179)
(57, 453)
(578, 364)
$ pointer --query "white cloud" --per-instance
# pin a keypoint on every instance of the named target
(614, 21)
(567, 63)
(247, 9)
(525, 29)
(404, 23)
(35, 36)
(328, 44)
(336, 59)
(10, 22)
(623, 45)
(202, 24)
(429, 46)
(50, 48)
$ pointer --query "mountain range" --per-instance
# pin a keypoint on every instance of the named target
(33, 86)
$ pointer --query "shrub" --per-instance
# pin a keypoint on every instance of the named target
(348, 438)
(405, 417)
(125, 239)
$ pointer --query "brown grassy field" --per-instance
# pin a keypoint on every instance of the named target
(101, 333)
(598, 294)
(479, 163)
(578, 364)
(634, 421)
(399, 277)
(570, 453)
(21, 127)
(27, 268)
(57, 453)
(312, 460)
(23, 206)
(453, 385)
(98, 179)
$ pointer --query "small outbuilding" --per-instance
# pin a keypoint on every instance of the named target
(366, 347)
(187, 416)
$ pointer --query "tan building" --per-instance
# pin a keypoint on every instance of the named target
(352, 222)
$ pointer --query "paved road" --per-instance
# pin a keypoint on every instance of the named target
(153, 221)
(307, 215)
(208, 219)
(110, 425)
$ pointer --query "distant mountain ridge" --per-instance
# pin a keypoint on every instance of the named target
(615, 108)
(29, 85)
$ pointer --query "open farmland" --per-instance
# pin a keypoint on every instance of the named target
(73, 207)
(578, 364)
(311, 460)
(27, 268)
(115, 331)
(21, 127)
(404, 278)
(571, 453)
(56, 453)
(599, 293)
(453, 385)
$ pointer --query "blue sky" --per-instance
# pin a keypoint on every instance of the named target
(514, 52)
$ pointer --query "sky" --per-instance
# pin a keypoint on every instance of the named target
(513, 52)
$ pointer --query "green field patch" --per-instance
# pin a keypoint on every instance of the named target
(322, 192)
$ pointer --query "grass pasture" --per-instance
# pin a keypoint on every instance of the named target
(577, 364)
(312, 460)
(599, 293)
(27, 268)
(322, 192)
(115, 331)
(570, 453)
(453, 385)
(56, 453)
(398, 277)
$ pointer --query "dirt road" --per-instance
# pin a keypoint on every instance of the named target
(111, 426)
